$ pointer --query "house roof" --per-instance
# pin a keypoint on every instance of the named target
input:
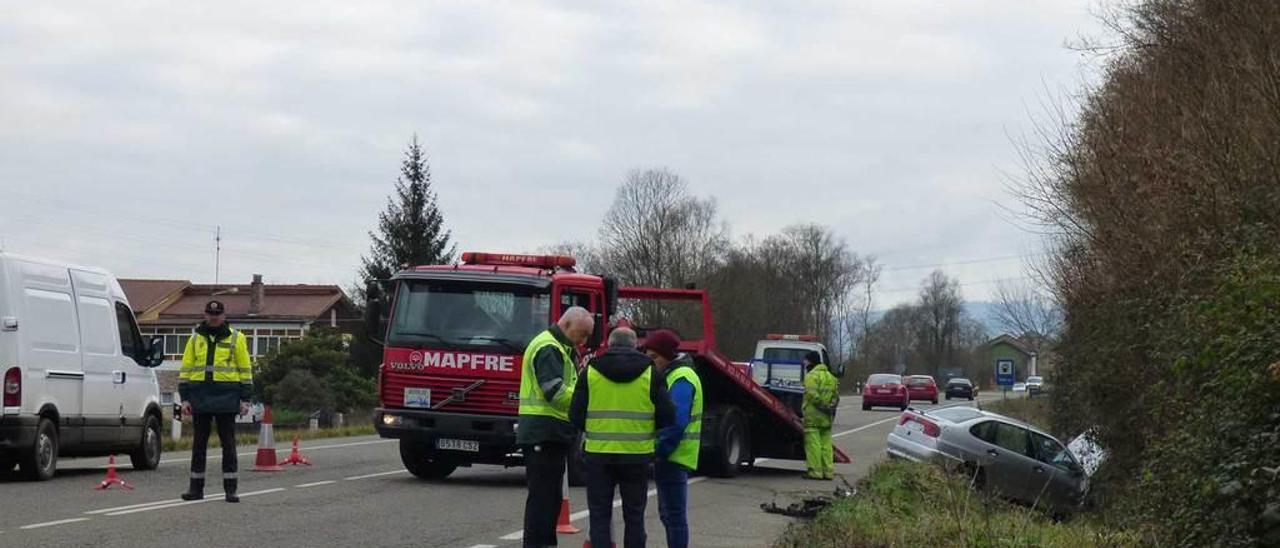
(181, 300)
(146, 294)
(1012, 341)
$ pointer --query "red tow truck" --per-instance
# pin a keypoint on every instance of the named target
(454, 338)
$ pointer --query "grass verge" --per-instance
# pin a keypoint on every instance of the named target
(907, 504)
(284, 436)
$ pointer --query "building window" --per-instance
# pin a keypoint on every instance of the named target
(166, 398)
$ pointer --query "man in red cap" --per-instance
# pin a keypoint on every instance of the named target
(677, 449)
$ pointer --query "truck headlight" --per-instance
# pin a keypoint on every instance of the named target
(391, 420)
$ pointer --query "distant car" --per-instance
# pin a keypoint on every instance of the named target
(1035, 386)
(1020, 387)
(960, 388)
(884, 390)
(1003, 455)
(922, 387)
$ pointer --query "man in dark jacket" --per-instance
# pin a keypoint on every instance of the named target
(215, 384)
(621, 403)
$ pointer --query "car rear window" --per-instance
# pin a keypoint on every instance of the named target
(919, 381)
(884, 379)
(956, 414)
(964, 382)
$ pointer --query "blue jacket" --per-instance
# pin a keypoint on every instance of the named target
(682, 396)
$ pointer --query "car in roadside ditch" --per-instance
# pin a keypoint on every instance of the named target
(1001, 455)
(1035, 386)
(922, 387)
(884, 390)
(960, 387)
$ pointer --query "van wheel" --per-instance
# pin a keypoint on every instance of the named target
(420, 461)
(147, 454)
(733, 445)
(42, 461)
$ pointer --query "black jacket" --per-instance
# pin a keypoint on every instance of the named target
(548, 367)
(622, 364)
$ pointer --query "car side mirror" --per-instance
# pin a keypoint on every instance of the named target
(157, 352)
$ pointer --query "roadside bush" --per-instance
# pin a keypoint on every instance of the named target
(315, 372)
(1164, 200)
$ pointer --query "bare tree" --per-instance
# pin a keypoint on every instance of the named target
(1027, 313)
(941, 307)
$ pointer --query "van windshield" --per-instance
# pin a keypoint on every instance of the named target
(456, 314)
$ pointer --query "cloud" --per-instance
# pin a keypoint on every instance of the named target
(131, 130)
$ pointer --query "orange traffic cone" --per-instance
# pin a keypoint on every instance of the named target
(296, 457)
(563, 525)
(266, 460)
(113, 478)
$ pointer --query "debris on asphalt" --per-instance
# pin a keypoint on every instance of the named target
(809, 507)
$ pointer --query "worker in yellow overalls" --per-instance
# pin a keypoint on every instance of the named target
(821, 398)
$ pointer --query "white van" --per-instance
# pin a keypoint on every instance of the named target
(77, 376)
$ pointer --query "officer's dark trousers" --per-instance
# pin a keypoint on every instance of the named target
(544, 469)
(632, 479)
(200, 445)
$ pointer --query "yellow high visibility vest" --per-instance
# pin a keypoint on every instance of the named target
(620, 415)
(532, 399)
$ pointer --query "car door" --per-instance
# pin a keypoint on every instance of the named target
(1057, 471)
(1010, 461)
(103, 390)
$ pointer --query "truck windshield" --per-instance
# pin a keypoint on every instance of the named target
(454, 314)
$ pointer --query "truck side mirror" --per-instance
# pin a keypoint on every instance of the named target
(373, 311)
(157, 352)
(597, 333)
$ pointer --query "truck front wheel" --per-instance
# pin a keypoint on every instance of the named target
(420, 461)
(732, 445)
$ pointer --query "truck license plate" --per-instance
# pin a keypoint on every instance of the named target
(458, 445)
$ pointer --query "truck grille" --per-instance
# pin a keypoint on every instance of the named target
(495, 396)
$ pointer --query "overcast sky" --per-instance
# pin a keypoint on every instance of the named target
(129, 130)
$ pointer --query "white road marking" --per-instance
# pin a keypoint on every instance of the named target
(132, 506)
(485, 546)
(366, 476)
(262, 492)
(209, 497)
(617, 503)
(316, 484)
(218, 456)
(52, 523)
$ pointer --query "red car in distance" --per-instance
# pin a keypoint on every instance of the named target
(884, 390)
(922, 387)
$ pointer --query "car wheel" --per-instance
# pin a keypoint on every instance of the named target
(147, 455)
(935, 401)
(42, 461)
(970, 398)
(420, 461)
(866, 406)
(948, 397)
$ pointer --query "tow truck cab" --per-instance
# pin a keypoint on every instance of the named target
(449, 383)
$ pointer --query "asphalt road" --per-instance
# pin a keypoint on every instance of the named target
(357, 493)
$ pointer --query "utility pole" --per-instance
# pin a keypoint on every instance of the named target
(217, 254)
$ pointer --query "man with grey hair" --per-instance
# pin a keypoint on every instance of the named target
(620, 403)
(547, 377)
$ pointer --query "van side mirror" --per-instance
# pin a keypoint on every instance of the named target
(156, 349)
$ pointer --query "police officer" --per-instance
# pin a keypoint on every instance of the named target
(215, 384)
(547, 378)
(620, 403)
(820, 401)
(678, 443)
